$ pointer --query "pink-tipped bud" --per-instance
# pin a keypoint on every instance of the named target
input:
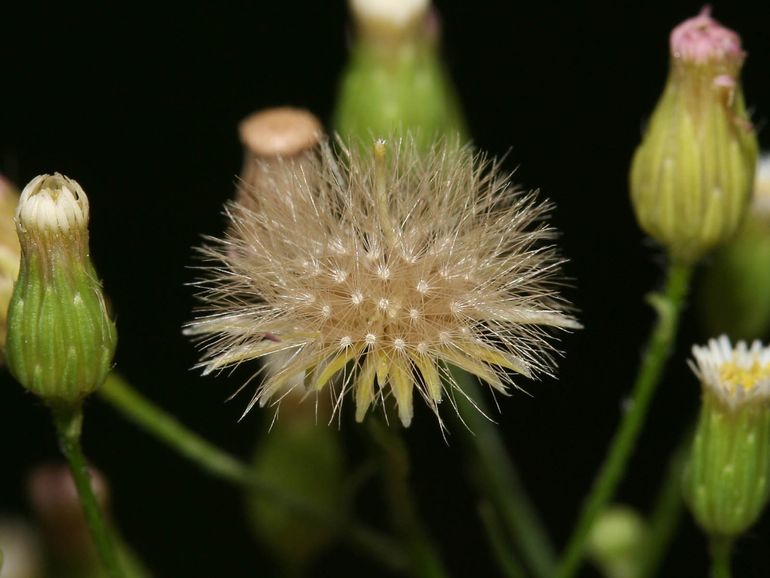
(702, 40)
(692, 175)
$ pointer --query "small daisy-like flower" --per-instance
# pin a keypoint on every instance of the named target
(377, 269)
(727, 479)
(736, 375)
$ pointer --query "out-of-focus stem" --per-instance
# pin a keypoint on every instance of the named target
(155, 421)
(68, 427)
(666, 512)
(500, 543)
(497, 479)
(424, 558)
(668, 306)
(721, 551)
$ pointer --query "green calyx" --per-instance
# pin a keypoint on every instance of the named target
(692, 175)
(402, 84)
(726, 480)
(61, 340)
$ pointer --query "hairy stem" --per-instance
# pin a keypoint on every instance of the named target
(155, 421)
(68, 424)
(425, 560)
(496, 478)
(668, 306)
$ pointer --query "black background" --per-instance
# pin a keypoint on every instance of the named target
(139, 102)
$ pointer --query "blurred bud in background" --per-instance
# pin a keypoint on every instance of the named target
(10, 253)
(394, 79)
(302, 455)
(21, 554)
(70, 551)
(614, 543)
(735, 293)
(271, 136)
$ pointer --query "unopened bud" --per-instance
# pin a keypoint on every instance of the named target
(61, 340)
(614, 542)
(691, 177)
(735, 296)
(305, 460)
(395, 79)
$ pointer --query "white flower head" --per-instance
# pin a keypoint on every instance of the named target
(736, 375)
(396, 13)
(52, 204)
(375, 270)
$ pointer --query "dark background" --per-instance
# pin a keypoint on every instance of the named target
(139, 102)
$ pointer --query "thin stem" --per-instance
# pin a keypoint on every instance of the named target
(496, 477)
(666, 512)
(721, 551)
(668, 306)
(155, 421)
(425, 561)
(68, 427)
(499, 542)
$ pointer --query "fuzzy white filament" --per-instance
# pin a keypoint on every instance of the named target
(374, 271)
(52, 203)
(735, 374)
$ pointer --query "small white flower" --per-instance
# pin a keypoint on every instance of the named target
(737, 375)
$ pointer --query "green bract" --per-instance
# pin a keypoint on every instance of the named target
(61, 340)
(692, 175)
(726, 482)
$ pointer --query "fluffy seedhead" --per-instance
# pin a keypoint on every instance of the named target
(374, 270)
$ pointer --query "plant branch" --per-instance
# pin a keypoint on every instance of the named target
(668, 306)
(68, 424)
(165, 427)
(496, 478)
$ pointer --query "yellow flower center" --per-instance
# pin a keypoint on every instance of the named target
(735, 376)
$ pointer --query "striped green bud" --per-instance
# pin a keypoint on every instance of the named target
(395, 79)
(61, 340)
(692, 175)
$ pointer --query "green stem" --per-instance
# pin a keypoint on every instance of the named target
(499, 542)
(425, 561)
(68, 427)
(155, 421)
(666, 512)
(721, 550)
(497, 478)
(659, 346)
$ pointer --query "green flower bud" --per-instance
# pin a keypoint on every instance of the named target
(735, 297)
(306, 461)
(726, 480)
(395, 79)
(614, 542)
(691, 177)
(61, 340)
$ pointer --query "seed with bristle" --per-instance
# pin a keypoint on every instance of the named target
(421, 260)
